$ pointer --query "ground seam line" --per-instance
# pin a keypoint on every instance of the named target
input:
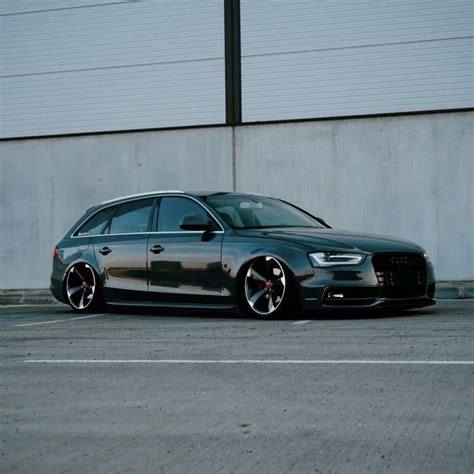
(249, 361)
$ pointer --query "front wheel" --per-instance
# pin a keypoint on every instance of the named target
(82, 289)
(264, 288)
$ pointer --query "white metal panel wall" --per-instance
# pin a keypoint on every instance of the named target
(321, 58)
(85, 65)
(10, 7)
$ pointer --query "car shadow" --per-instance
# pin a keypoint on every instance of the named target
(366, 314)
(320, 315)
(175, 312)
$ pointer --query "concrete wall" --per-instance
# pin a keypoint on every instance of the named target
(410, 176)
(46, 185)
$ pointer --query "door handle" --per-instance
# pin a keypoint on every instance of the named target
(157, 249)
(105, 250)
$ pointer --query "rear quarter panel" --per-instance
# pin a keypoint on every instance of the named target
(71, 251)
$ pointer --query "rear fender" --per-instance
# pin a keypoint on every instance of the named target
(70, 256)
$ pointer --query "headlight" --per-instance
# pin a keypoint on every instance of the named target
(427, 257)
(330, 259)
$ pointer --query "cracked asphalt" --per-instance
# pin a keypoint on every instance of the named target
(174, 392)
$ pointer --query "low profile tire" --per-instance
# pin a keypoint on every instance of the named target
(265, 289)
(82, 289)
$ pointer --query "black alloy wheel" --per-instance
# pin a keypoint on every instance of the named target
(265, 288)
(82, 289)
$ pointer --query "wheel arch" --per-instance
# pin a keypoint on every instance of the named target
(294, 261)
(247, 262)
(86, 261)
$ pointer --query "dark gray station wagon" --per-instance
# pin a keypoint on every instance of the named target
(226, 250)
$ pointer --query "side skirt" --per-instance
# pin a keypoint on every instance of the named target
(173, 305)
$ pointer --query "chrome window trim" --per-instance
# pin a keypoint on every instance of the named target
(147, 233)
(136, 198)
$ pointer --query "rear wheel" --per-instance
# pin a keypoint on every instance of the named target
(82, 289)
(264, 288)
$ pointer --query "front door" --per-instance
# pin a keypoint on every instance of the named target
(184, 266)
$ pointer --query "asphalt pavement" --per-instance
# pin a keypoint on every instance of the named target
(173, 392)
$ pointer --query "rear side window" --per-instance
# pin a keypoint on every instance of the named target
(97, 223)
(173, 209)
(132, 217)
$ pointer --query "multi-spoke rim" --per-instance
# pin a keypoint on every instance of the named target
(80, 286)
(265, 285)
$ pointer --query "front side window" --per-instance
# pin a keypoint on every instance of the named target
(172, 211)
(97, 223)
(132, 217)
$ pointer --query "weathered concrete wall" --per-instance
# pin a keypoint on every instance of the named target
(46, 185)
(411, 176)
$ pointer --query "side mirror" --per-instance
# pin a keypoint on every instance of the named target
(195, 222)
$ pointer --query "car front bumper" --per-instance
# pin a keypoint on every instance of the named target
(361, 286)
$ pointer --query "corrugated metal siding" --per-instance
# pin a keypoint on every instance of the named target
(305, 59)
(103, 65)
(13, 7)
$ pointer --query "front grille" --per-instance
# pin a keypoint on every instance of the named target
(400, 275)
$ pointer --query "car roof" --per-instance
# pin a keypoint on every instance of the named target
(138, 195)
(202, 194)
(227, 193)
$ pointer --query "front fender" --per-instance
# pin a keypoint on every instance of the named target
(237, 255)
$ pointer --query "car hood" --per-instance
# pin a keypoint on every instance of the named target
(335, 239)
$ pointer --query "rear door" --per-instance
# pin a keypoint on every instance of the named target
(121, 252)
(184, 266)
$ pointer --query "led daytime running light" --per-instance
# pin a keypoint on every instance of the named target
(329, 259)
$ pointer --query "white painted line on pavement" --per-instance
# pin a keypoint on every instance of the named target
(301, 322)
(59, 320)
(32, 305)
(246, 361)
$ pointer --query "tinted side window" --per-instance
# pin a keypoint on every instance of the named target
(97, 223)
(132, 217)
(173, 209)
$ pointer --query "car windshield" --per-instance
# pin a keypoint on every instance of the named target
(258, 212)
